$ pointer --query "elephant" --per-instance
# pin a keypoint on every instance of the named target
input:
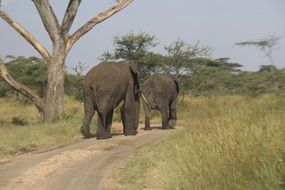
(104, 87)
(160, 92)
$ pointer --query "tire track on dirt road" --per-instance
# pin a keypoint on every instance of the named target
(89, 164)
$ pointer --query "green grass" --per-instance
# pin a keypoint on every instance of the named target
(229, 142)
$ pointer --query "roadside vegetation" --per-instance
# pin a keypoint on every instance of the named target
(230, 142)
(22, 131)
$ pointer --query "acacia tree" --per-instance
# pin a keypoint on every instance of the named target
(265, 45)
(131, 46)
(52, 105)
(135, 47)
(180, 56)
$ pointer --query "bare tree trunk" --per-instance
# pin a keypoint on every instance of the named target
(55, 86)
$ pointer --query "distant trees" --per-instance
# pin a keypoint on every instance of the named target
(32, 73)
(263, 81)
(213, 76)
(179, 62)
(191, 65)
(196, 71)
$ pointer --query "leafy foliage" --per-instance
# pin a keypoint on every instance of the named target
(196, 72)
(262, 81)
(131, 47)
(32, 72)
(213, 76)
(180, 56)
(73, 86)
(136, 47)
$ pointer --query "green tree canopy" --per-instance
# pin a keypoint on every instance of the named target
(131, 47)
(136, 47)
(30, 71)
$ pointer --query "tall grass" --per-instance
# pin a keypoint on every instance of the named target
(21, 129)
(229, 142)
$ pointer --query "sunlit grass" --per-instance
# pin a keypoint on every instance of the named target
(16, 138)
(21, 129)
(229, 142)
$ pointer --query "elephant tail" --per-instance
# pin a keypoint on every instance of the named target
(177, 86)
(89, 95)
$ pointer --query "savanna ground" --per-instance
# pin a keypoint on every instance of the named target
(228, 142)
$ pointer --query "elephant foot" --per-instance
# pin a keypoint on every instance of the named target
(130, 132)
(172, 124)
(105, 136)
(147, 128)
(165, 128)
(85, 132)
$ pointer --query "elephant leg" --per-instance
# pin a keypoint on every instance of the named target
(164, 117)
(172, 115)
(128, 117)
(109, 121)
(103, 123)
(146, 116)
(89, 112)
(123, 117)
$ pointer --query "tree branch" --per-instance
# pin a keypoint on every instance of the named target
(21, 88)
(69, 16)
(23, 32)
(96, 20)
(49, 19)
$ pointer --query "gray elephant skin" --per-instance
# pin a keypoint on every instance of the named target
(161, 92)
(104, 87)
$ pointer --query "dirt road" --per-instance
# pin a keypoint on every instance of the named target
(89, 164)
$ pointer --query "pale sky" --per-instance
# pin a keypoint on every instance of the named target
(218, 24)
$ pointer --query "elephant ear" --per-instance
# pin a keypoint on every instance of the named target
(134, 67)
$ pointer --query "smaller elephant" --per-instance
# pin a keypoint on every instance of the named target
(160, 92)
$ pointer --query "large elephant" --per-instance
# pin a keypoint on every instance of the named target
(104, 87)
(160, 93)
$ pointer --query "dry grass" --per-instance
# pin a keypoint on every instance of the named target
(229, 142)
(22, 131)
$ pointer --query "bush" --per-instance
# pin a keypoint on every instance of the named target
(19, 121)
